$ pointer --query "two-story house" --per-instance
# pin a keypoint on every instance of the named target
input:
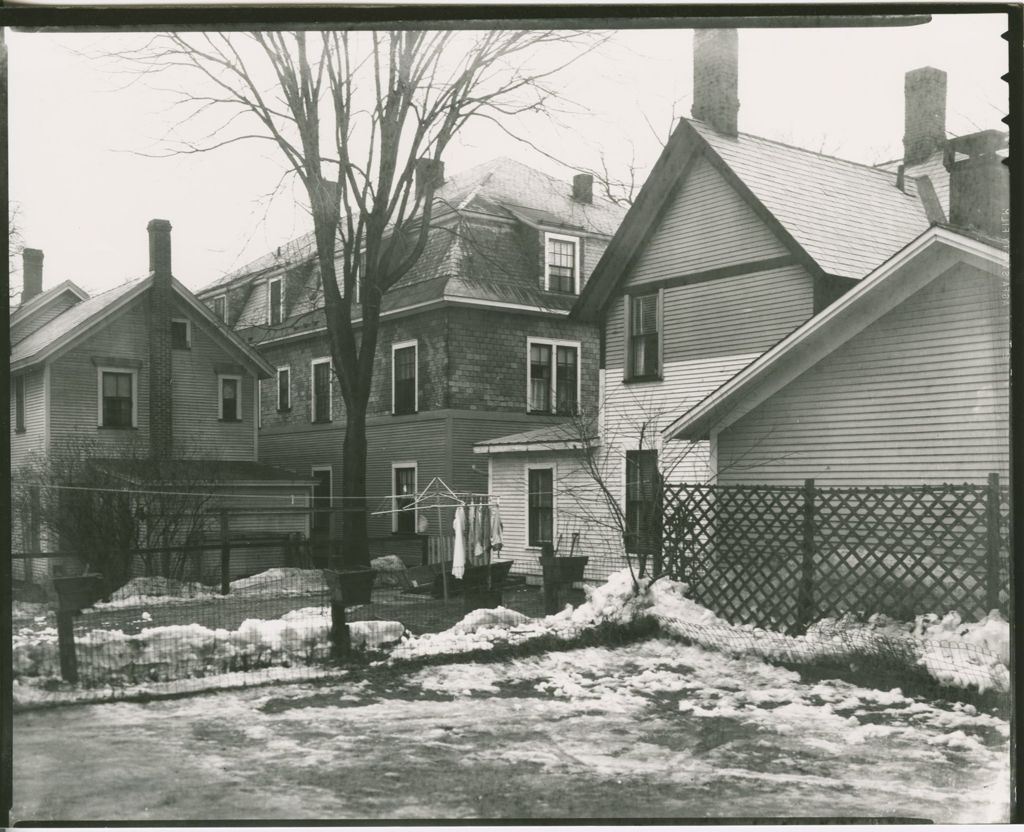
(141, 371)
(733, 242)
(475, 341)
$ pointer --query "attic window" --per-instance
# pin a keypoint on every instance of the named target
(220, 305)
(275, 311)
(181, 334)
(561, 264)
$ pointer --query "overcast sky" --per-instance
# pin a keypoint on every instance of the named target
(84, 195)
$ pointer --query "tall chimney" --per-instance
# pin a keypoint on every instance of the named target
(979, 183)
(161, 432)
(583, 188)
(31, 273)
(716, 79)
(924, 114)
(429, 172)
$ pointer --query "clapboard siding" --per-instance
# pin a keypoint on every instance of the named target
(300, 449)
(920, 396)
(195, 411)
(707, 226)
(254, 313)
(32, 441)
(25, 327)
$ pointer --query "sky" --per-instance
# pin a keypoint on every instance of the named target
(87, 168)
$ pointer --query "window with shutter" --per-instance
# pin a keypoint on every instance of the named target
(644, 337)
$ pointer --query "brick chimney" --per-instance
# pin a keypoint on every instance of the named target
(583, 188)
(429, 172)
(716, 79)
(924, 114)
(979, 183)
(161, 433)
(31, 273)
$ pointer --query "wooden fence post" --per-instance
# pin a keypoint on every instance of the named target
(225, 554)
(66, 646)
(993, 540)
(805, 599)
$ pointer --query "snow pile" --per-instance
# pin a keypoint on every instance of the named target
(155, 590)
(287, 580)
(375, 635)
(23, 610)
(482, 618)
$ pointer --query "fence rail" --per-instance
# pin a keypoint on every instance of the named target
(783, 556)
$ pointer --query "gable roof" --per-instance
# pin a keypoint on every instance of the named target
(909, 270)
(558, 437)
(837, 217)
(85, 317)
(43, 299)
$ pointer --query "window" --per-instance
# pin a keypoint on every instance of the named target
(404, 477)
(230, 398)
(561, 264)
(644, 354)
(404, 393)
(118, 406)
(220, 307)
(554, 378)
(284, 388)
(540, 506)
(181, 334)
(321, 500)
(642, 509)
(275, 310)
(19, 404)
(321, 390)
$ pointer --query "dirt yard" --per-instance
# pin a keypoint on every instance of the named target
(655, 730)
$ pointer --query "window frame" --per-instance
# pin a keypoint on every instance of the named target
(395, 496)
(221, 378)
(551, 468)
(130, 371)
(285, 408)
(628, 372)
(279, 281)
(312, 390)
(554, 343)
(188, 333)
(550, 236)
(404, 345)
(222, 316)
(628, 534)
(19, 403)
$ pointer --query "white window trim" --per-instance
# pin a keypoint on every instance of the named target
(270, 296)
(277, 379)
(99, 392)
(213, 307)
(312, 388)
(394, 496)
(401, 345)
(554, 343)
(548, 237)
(545, 466)
(188, 330)
(221, 378)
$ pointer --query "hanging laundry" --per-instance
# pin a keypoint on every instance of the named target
(459, 553)
(495, 530)
(479, 532)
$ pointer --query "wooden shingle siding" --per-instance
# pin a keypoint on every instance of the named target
(25, 327)
(254, 313)
(707, 226)
(920, 396)
(31, 441)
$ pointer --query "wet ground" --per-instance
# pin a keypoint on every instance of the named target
(650, 730)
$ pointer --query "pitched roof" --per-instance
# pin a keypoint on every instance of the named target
(43, 298)
(560, 436)
(841, 217)
(890, 284)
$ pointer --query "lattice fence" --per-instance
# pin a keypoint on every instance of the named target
(783, 556)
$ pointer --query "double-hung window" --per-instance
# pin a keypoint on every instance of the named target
(540, 499)
(181, 334)
(404, 476)
(275, 311)
(220, 307)
(562, 264)
(643, 326)
(284, 388)
(320, 384)
(118, 406)
(554, 377)
(230, 388)
(19, 404)
(642, 509)
(404, 392)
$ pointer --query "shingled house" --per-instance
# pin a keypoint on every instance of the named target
(734, 242)
(475, 340)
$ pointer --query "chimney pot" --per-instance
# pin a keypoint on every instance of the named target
(716, 79)
(32, 273)
(979, 183)
(159, 247)
(583, 188)
(924, 114)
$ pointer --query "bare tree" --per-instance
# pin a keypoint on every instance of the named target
(15, 245)
(363, 120)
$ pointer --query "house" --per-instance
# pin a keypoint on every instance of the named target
(475, 341)
(733, 243)
(131, 379)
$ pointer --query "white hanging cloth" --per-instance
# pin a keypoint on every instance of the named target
(459, 555)
(496, 542)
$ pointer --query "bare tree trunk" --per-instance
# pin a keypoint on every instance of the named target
(355, 550)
